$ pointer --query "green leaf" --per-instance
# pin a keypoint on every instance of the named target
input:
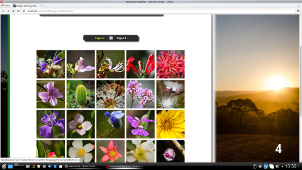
(40, 149)
(72, 91)
(61, 54)
(105, 129)
(146, 123)
(144, 136)
(130, 145)
(92, 118)
(180, 93)
(92, 115)
(37, 153)
(41, 87)
(72, 133)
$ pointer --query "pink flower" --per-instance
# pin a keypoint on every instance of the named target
(110, 152)
(78, 124)
(169, 154)
(170, 65)
(52, 94)
(133, 87)
(81, 68)
(50, 154)
(144, 97)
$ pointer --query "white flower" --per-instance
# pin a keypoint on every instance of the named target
(167, 102)
(118, 68)
(173, 87)
(144, 152)
(78, 151)
(109, 99)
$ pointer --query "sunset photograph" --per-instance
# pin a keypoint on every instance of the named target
(256, 85)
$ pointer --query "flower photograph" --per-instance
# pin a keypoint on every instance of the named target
(50, 64)
(110, 64)
(140, 64)
(140, 94)
(83, 149)
(170, 124)
(110, 151)
(110, 94)
(170, 151)
(140, 151)
(170, 64)
(50, 94)
(80, 123)
(50, 149)
(110, 124)
(80, 94)
(50, 123)
(140, 124)
(170, 94)
(80, 64)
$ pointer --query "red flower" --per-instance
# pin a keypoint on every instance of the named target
(149, 62)
(130, 65)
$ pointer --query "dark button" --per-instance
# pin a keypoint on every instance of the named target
(109, 38)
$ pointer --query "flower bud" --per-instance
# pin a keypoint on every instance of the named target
(81, 96)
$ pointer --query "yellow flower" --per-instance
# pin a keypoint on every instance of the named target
(170, 124)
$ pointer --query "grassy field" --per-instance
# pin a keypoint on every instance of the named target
(256, 148)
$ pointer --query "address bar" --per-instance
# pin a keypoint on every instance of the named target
(160, 11)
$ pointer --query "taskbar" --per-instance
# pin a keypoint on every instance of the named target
(108, 166)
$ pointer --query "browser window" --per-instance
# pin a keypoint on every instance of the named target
(141, 84)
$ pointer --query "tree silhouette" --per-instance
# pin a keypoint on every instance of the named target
(3, 80)
(244, 107)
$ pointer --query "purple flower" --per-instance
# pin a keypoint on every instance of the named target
(42, 66)
(144, 119)
(61, 123)
(138, 124)
(169, 154)
(57, 60)
(133, 121)
(79, 125)
(139, 131)
(81, 68)
(52, 94)
(50, 121)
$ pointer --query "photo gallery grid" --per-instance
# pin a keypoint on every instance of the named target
(111, 105)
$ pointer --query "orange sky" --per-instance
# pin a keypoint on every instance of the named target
(251, 49)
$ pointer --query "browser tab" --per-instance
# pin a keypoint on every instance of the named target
(27, 5)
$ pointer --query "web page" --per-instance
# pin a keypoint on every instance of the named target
(139, 84)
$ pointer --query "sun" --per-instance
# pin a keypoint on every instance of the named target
(275, 83)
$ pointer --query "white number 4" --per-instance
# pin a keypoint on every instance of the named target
(278, 149)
